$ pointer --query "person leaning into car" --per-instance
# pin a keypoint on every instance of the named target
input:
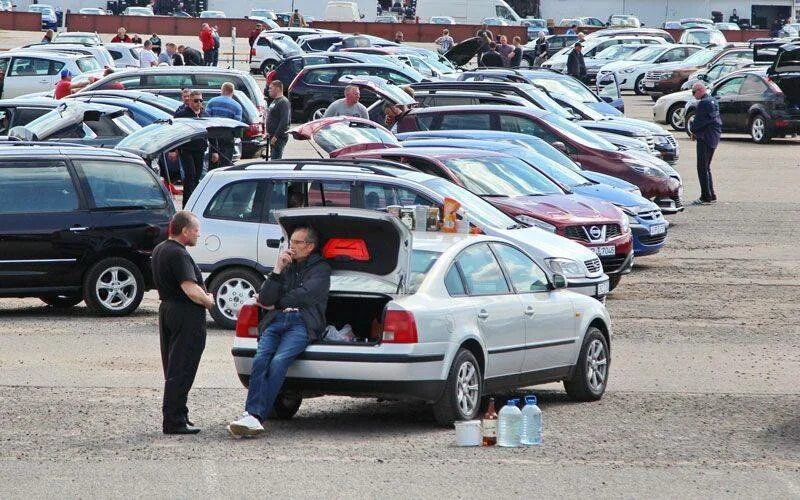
(181, 318)
(295, 295)
(706, 129)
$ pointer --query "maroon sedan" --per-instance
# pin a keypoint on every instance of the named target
(528, 196)
(590, 150)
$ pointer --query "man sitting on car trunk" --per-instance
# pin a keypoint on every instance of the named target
(295, 296)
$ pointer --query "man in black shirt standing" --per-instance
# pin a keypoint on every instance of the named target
(278, 119)
(491, 58)
(193, 152)
(576, 67)
(181, 318)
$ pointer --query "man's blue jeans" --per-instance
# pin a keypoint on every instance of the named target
(284, 339)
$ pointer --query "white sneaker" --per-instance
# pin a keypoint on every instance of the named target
(246, 425)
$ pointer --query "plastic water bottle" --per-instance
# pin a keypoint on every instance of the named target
(509, 426)
(531, 422)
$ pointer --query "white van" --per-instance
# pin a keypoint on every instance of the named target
(338, 10)
(467, 11)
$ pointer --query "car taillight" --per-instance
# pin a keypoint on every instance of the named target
(254, 130)
(296, 79)
(247, 322)
(399, 327)
(774, 86)
(252, 51)
(271, 76)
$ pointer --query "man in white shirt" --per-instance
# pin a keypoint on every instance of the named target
(147, 57)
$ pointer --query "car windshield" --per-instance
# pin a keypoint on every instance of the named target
(587, 112)
(704, 37)
(480, 211)
(578, 133)
(702, 57)
(341, 134)
(544, 101)
(285, 44)
(617, 52)
(563, 175)
(566, 85)
(86, 64)
(79, 39)
(438, 65)
(261, 13)
(544, 149)
(536, 23)
(500, 175)
(647, 54)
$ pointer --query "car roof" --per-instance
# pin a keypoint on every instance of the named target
(160, 70)
(30, 101)
(437, 152)
(26, 150)
(46, 54)
(481, 107)
(316, 67)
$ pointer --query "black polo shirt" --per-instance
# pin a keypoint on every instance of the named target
(172, 265)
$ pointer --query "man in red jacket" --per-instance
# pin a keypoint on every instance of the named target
(121, 37)
(207, 39)
(254, 36)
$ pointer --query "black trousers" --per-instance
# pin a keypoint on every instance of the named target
(192, 163)
(226, 149)
(182, 330)
(704, 155)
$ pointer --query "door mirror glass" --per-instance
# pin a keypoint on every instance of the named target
(559, 281)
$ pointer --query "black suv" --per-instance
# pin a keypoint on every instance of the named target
(316, 87)
(78, 223)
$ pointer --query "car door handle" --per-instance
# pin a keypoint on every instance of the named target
(273, 243)
(483, 314)
(529, 311)
(78, 229)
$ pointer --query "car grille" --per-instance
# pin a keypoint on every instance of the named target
(653, 240)
(678, 201)
(582, 233)
(652, 215)
(612, 264)
(657, 75)
(594, 266)
(671, 140)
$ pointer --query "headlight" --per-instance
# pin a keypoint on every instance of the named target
(532, 221)
(643, 139)
(646, 169)
(662, 139)
(628, 70)
(567, 267)
(628, 217)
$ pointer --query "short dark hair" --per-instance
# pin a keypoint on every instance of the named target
(492, 45)
(311, 234)
(277, 84)
(181, 220)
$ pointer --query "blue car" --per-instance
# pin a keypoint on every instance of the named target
(647, 223)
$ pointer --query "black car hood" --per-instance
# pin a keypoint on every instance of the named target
(462, 53)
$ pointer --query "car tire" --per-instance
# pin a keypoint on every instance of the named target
(465, 372)
(231, 289)
(675, 116)
(316, 111)
(267, 66)
(62, 301)
(113, 287)
(613, 281)
(688, 120)
(759, 129)
(638, 85)
(286, 406)
(590, 377)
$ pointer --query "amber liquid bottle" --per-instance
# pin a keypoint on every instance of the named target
(489, 425)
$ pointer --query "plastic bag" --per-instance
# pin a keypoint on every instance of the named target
(344, 335)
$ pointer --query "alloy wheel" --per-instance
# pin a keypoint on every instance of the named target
(319, 113)
(116, 288)
(757, 129)
(596, 365)
(232, 295)
(467, 388)
(677, 119)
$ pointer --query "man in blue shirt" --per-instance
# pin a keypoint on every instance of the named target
(224, 106)
(706, 130)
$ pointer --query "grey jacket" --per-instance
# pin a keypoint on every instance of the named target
(301, 286)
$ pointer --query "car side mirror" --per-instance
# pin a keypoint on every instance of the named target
(607, 99)
(703, 77)
(559, 281)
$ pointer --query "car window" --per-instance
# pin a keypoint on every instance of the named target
(86, 64)
(236, 201)
(213, 81)
(714, 72)
(453, 282)
(729, 87)
(314, 60)
(525, 275)
(439, 100)
(117, 185)
(329, 194)
(394, 77)
(753, 85)
(320, 76)
(379, 196)
(33, 66)
(168, 81)
(115, 54)
(465, 121)
(673, 55)
(38, 186)
(127, 82)
(482, 273)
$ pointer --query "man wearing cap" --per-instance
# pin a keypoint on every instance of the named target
(64, 87)
(576, 67)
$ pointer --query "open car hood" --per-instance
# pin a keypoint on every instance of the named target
(787, 59)
(153, 140)
(463, 52)
(356, 242)
(66, 115)
(343, 134)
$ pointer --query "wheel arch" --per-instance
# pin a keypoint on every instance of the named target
(601, 325)
(476, 349)
(140, 259)
(757, 109)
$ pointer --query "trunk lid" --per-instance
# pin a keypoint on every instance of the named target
(382, 88)
(787, 60)
(357, 243)
(344, 134)
(153, 140)
(462, 53)
(65, 116)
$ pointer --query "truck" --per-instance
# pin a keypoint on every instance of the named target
(467, 11)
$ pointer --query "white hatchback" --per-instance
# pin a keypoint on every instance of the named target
(27, 71)
(441, 318)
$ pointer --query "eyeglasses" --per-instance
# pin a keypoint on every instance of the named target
(197, 100)
(299, 242)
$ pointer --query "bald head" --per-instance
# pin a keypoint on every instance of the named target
(698, 90)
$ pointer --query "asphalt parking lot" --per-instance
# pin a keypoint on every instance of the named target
(703, 398)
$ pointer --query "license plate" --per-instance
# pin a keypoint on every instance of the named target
(658, 229)
(649, 84)
(602, 288)
(604, 251)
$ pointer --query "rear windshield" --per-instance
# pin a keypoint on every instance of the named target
(339, 135)
(87, 64)
(285, 44)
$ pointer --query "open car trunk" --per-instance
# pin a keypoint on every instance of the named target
(362, 311)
